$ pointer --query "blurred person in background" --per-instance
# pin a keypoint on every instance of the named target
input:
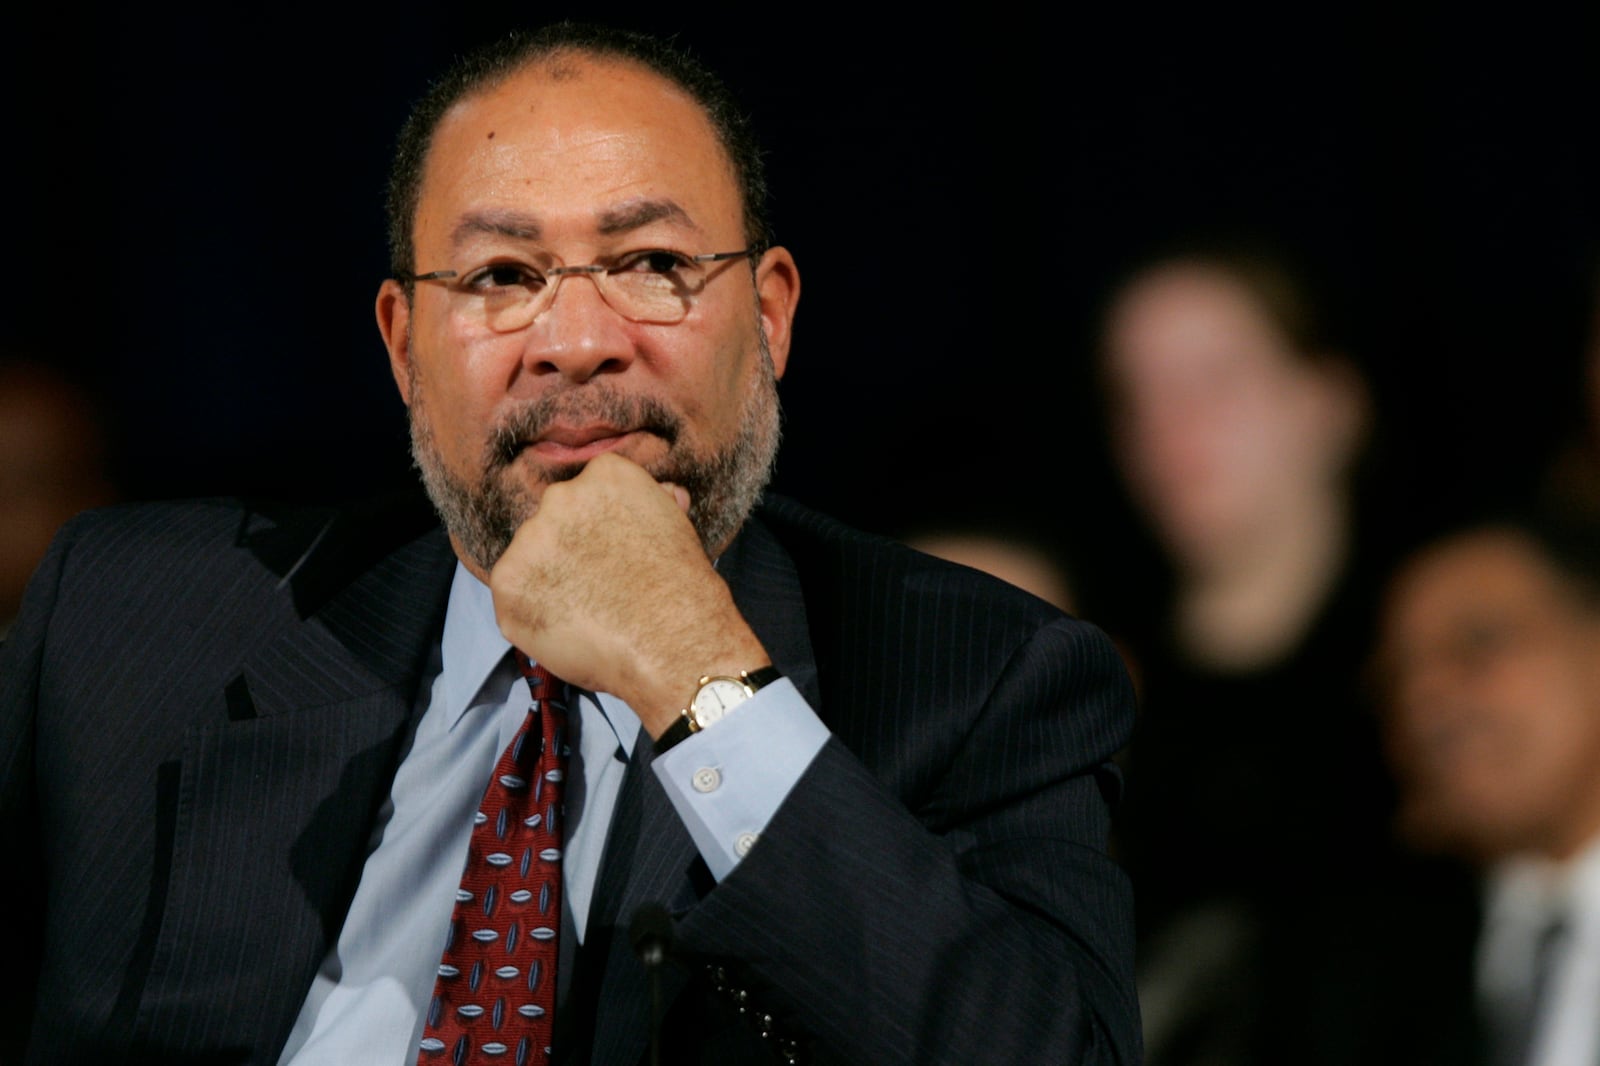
(1015, 554)
(53, 464)
(1487, 951)
(1237, 424)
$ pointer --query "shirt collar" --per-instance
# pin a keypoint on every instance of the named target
(472, 648)
(1525, 885)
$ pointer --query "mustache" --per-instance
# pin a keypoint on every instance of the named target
(530, 420)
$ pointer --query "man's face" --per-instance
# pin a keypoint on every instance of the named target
(573, 163)
(1491, 682)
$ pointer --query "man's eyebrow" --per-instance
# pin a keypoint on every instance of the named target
(637, 213)
(517, 225)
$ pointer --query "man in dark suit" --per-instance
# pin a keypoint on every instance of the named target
(856, 798)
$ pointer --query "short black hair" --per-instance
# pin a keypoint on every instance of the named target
(1294, 293)
(1565, 536)
(487, 66)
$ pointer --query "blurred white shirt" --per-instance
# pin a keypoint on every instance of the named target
(1525, 894)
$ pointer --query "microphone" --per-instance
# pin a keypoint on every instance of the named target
(651, 934)
(652, 937)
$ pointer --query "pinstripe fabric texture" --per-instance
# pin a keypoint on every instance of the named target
(936, 889)
(206, 789)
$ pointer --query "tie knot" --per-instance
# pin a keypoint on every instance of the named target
(538, 677)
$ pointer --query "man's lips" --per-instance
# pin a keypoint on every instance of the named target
(576, 443)
(572, 427)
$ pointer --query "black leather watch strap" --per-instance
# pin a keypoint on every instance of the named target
(760, 679)
(676, 733)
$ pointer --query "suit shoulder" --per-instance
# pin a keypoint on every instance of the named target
(191, 545)
(872, 564)
(863, 590)
(153, 523)
(901, 635)
(141, 541)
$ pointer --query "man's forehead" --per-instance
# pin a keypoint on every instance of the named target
(580, 76)
(609, 220)
(575, 110)
(1486, 572)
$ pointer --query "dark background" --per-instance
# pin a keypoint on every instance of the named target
(197, 228)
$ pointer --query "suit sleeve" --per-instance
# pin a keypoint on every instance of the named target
(975, 917)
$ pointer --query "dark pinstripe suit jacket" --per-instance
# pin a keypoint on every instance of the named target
(202, 706)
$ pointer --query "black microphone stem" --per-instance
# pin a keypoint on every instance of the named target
(652, 935)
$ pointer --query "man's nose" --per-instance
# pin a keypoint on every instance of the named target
(579, 335)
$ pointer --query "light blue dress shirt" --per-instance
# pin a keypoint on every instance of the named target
(369, 998)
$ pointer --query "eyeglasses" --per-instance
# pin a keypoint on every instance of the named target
(651, 285)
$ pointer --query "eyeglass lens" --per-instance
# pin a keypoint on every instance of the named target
(638, 295)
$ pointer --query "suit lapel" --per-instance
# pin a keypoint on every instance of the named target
(649, 857)
(315, 721)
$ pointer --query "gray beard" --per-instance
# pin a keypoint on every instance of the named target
(723, 485)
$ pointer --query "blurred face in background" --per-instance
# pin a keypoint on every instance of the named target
(1489, 667)
(52, 465)
(1218, 424)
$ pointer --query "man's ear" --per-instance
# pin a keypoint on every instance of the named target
(394, 322)
(777, 293)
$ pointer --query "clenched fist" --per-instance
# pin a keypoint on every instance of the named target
(608, 587)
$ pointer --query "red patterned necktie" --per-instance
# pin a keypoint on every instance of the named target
(495, 997)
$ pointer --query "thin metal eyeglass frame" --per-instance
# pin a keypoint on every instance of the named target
(558, 273)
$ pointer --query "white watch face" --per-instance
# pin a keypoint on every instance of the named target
(716, 698)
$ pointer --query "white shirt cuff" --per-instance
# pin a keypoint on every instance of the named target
(726, 782)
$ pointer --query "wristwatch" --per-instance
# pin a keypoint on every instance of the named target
(717, 695)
